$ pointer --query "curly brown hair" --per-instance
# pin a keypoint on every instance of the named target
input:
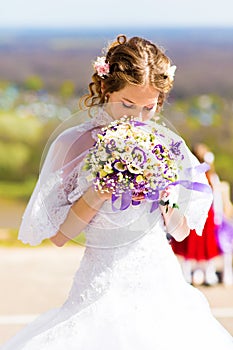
(134, 61)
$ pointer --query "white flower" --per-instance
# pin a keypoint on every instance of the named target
(134, 169)
(170, 72)
(170, 194)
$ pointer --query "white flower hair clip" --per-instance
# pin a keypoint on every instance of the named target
(101, 66)
(170, 72)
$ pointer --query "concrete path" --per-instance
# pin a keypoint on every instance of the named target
(29, 277)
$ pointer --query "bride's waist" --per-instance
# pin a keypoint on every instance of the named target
(114, 248)
(122, 228)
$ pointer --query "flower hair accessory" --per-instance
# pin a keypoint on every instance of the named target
(170, 72)
(101, 66)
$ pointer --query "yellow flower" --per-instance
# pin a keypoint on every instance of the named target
(103, 173)
(108, 168)
(100, 137)
(120, 177)
(153, 185)
(139, 179)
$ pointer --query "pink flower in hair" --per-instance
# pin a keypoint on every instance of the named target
(101, 66)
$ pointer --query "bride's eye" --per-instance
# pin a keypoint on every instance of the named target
(149, 108)
(127, 105)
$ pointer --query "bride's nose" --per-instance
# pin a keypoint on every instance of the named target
(137, 112)
(141, 113)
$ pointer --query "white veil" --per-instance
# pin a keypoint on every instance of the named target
(61, 183)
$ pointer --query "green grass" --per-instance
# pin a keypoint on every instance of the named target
(17, 190)
(80, 239)
(9, 238)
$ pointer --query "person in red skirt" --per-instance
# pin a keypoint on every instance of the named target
(198, 253)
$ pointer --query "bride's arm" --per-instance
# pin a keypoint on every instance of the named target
(80, 214)
(175, 223)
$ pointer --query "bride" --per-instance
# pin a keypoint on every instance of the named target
(129, 291)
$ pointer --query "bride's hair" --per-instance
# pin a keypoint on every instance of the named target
(134, 61)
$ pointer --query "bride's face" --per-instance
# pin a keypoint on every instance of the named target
(137, 101)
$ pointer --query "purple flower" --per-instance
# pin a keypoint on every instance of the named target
(111, 146)
(139, 155)
(158, 150)
(175, 147)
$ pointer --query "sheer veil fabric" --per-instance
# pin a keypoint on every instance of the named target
(129, 291)
(62, 181)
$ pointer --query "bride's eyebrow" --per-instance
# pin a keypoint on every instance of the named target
(126, 99)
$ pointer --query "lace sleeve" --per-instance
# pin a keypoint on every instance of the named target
(45, 212)
(57, 187)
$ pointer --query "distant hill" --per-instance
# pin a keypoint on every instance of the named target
(203, 56)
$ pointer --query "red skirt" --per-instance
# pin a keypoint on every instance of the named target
(196, 247)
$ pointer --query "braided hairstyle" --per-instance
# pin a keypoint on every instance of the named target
(136, 61)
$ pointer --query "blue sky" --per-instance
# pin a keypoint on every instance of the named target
(99, 13)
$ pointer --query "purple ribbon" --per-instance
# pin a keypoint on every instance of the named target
(137, 123)
(135, 202)
(126, 197)
(196, 186)
(201, 168)
(155, 198)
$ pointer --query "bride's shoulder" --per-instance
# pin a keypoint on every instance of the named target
(72, 133)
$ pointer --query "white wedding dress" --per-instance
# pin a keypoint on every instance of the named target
(129, 292)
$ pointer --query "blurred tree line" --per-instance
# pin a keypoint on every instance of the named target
(207, 119)
(28, 117)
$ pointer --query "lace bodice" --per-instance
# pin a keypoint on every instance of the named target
(104, 267)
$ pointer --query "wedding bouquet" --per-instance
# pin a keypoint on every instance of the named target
(132, 158)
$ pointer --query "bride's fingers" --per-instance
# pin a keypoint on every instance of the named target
(139, 197)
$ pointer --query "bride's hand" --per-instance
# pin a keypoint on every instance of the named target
(139, 197)
(104, 195)
(95, 198)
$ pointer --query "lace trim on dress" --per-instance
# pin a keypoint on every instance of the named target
(101, 117)
(48, 211)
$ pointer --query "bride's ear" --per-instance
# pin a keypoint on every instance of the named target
(102, 87)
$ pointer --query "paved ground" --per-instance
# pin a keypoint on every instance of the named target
(40, 271)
